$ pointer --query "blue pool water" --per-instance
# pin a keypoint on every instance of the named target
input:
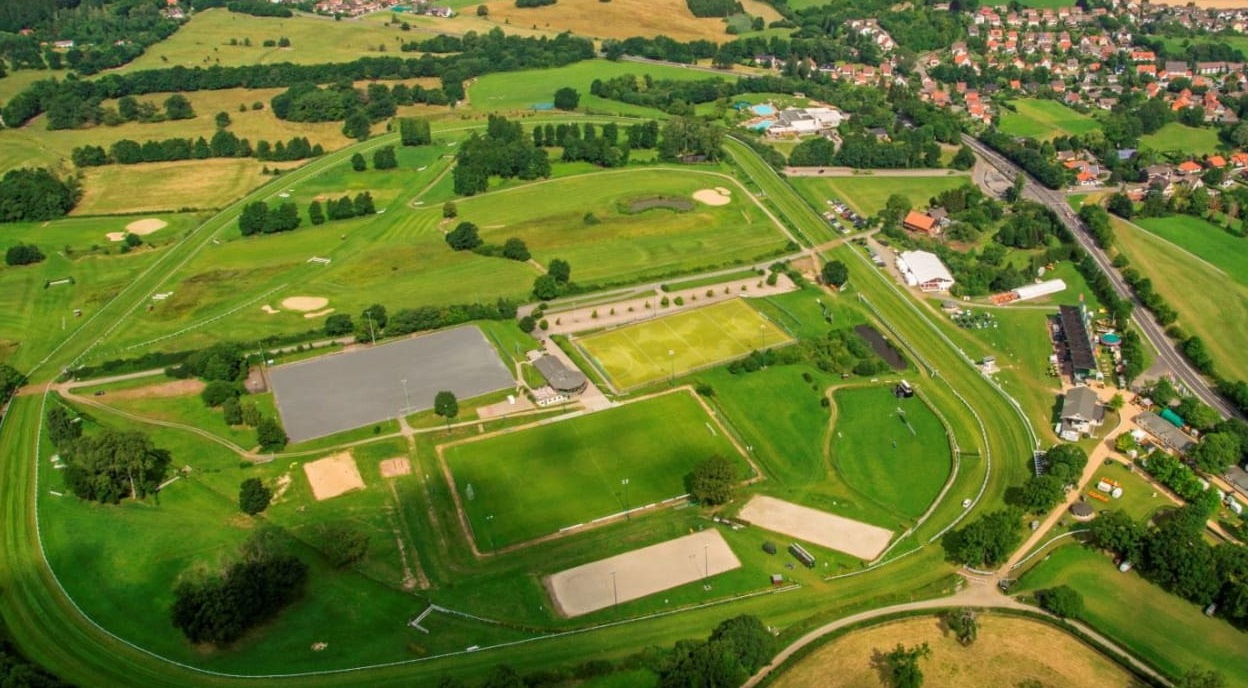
(763, 125)
(763, 110)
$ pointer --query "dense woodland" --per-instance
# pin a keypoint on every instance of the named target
(34, 194)
(106, 34)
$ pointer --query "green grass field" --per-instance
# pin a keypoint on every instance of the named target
(672, 345)
(1177, 635)
(1210, 303)
(900, 467)
(867, 194)
(1185, 141)
(1044, 119)
(1205, 240)
(533, 482)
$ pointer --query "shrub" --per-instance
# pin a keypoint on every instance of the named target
(23, 254)
(343, 544)
(1064, 601)
(712, 481)
(253, 496)
(217, 393)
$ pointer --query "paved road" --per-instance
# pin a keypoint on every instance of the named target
(1056, 201)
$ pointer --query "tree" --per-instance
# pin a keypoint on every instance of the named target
(114, 464)
(253, 496)
(253, 218)
(446, 405)
(902, 665)
(23, 254)
(63, 428)
(1121, 205)
(217, 392)
(464, 237)
(375, 316)
(503, 676)
(515, 249)
(749, 639)
(1117, 532)
(545, 287)
(315, 214)
(270, 435)
(1198, 678)
(338, 324)
(895, 208)
(223, 120)
(362, 205)
(963, 623)
(1039, 494)
(1216, 452)
(835, 273)
(232, 411)
(964, 160)
(35, 194)
(343, 543)
(483, 11)
(712, 481)
(385, 159)
(414, 132)
(1063, 600)
(356, 126)
(358, 163)
(567, 98)
(1116, 402)
(560, 269)
(449, 211)
(178, 107)
(985, 542)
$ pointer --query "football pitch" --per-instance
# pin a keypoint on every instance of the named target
(534, 482)
(673, 345)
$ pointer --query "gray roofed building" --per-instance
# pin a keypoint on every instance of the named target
(560, 377)
(1165, 432)
(1081, 412)
(1238, 478)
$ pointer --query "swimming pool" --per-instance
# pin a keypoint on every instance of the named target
(763, 110)
(763, 125)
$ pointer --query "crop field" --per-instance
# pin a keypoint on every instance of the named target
(1044, 119)
(898, 462)
(1210, 303)
(867, 194)
(624, 245)
(533, 482)
(1205, 642)
(1204, 240)
(672, 345)
(516, 92)
(1007, 652)
(623, 18)
(1184, 140)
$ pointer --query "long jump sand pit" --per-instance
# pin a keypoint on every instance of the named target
(817, 527)
(716, 196)
(641, 572)
(333, 475)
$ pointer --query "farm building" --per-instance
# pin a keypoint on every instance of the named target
(1165, 432)
(921, 222)
(560, 377)
(924, 270)
(1080, 349)
(1082, 413)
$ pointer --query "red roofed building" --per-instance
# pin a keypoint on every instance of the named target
(1217, 161)
(1189, 167)
(919, 222)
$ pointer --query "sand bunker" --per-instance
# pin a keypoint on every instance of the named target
(318, 314)
(145, 227)
(116, 236)
(711, 197)
(393, 468)
(269, 309)
(305, 304)
(861, 540)
(333, 475)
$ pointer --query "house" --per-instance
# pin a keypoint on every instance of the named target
(921, 222)
(1189, 167)
(441, 11)
(1216, 161)
(1082, 413)
(924, 270)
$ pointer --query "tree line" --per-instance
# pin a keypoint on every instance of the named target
(224, 144)
(1027, 155)
(223, 367)
(376, 321)
(36, 194)
(603, 147)
(344, 208)
(481, 54)
(714, 8)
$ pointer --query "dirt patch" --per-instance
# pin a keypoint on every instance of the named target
(305, 304)
(393, 468)
(881, 346)
(711, 197)
(842, 534)
(145, 227)
(333, 475)
(173, 388)
(116, 236)
(1007, 652)
(318, 314)
(269, 309)
(641, 572)
(283, 483)
(680, 205)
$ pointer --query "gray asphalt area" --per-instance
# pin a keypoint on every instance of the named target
(329, 394)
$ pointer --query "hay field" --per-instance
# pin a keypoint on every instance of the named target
(1008, 652)
(198, 184)
(624, 18)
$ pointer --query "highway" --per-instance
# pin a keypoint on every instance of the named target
(1056, 201)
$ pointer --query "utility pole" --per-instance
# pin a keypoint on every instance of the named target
(371, 331)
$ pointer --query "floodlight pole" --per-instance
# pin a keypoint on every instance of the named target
(627, 515)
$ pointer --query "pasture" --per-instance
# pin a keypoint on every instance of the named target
(623, 18)
(1182, 140)
(640, 354)
(867, 194)
(1044, 119)
(622, 245)
(1209, 303)
(1204, 642)
(1204, 240)
(535, 481)
(1007, 652)
(900, 464)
